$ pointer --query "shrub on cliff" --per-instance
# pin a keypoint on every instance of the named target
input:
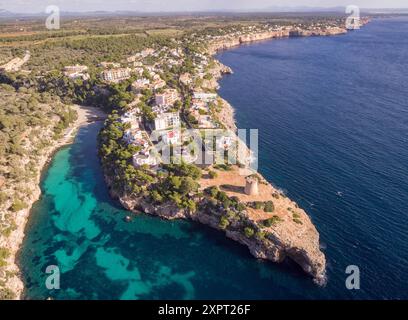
(296, 218)
(241, 207)
(296, 215)
(212, 192)
(188, 185)
(271, 221)
(224, 223)
(6, 293)
(4, 254)
(269, 207)
(190, 205)
(232, 216)
(223, 167)
(156, 196)
(18, 205)
(260, 235)
(212, 174)
(258, 205)
(249, 232)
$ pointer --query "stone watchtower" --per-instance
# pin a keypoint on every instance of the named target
(251, 186)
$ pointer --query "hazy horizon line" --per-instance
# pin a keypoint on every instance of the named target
(285, 9)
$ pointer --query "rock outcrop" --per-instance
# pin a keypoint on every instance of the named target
(300, 243)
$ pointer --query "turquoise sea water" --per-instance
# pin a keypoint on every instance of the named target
(333, 127)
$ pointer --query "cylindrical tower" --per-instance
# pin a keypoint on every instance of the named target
(251, 186)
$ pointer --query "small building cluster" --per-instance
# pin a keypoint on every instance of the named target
(115, 75)
(139, 85)
(168, 120)
(138, 137)
(167, 98)
(76, 71)
(201, 109)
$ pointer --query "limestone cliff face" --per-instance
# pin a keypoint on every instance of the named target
(230, 42)
(315, 33)
(300, 244)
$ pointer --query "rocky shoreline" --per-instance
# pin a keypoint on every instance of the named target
(15, 284)
(232, 42)
(301, 245)
(299, 242)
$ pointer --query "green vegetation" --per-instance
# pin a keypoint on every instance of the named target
(224, 223)
(296, 218)
(177, 185)
(116, 158)
(271, 221)
(231, 214)
(249, 232)
(34, 111)
(223, 167)
(29, 120)
(258, 205)
(260, 235)
(4, 254)
(269, 207)
(212, 174)
(18, 205)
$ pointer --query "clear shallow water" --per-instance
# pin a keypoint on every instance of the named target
(77, 227)
(332, 114)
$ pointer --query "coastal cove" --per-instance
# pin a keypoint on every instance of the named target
(78, 227)
(84, 116)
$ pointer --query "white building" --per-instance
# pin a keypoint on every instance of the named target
(167, 120)
(158, 83)
(115, 75)
(77, 71)
(109, 64)
(207, 97)
(141, 159)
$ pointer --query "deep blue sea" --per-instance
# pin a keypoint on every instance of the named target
(332, 114)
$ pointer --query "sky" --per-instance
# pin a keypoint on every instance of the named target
(37, 6)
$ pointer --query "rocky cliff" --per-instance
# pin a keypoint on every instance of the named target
(300, 243)
(230, 42)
